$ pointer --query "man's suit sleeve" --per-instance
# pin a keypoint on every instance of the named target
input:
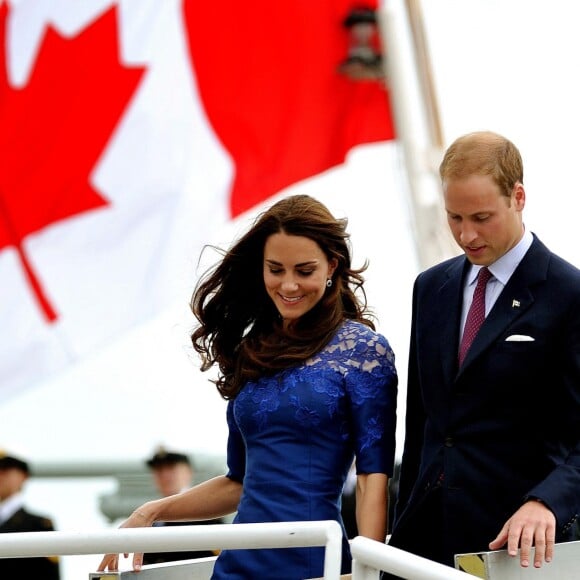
(560, 491)
(414, 421)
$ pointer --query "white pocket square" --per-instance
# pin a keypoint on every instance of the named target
(520, 338)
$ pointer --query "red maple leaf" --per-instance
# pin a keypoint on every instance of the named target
(267, 76)
(54, 130)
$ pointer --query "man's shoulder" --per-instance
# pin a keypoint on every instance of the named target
(29, 521)
(558, 268)
(43, 522)
(443, 269)
(563, 267)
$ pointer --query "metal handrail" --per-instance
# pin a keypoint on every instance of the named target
(326, 533)
(370, 556)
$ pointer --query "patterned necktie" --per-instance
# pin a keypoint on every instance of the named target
(476, 314)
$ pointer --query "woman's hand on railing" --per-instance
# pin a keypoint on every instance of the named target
(138, 519)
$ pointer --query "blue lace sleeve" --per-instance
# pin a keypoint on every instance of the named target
(371, 382)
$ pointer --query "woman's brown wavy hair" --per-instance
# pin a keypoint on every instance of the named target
(239, 326)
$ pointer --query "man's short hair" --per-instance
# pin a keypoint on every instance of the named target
(166, 457)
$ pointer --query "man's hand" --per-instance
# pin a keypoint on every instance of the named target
(532, 525)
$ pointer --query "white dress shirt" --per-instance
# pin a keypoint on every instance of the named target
(501, 270)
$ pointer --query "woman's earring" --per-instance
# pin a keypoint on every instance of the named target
(329, 282)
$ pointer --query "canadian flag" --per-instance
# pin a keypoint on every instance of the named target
(131, 130)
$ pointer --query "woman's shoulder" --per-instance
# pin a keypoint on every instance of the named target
(356, 329)
(356, 333)
(357, 346)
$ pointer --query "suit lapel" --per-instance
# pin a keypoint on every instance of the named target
(15, 521)
(449, 302)
(513, 301)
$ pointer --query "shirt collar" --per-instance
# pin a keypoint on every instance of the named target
(10, 506)
(504, 267)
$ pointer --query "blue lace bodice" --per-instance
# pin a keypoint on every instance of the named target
(293, 437)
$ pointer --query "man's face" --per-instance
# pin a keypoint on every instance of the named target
(484, 223)
(171, 478)
(11, 481)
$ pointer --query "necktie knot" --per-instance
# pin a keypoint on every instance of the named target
(483, 276)
(476, 314)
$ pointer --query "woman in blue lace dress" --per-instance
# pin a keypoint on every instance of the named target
(310, 385)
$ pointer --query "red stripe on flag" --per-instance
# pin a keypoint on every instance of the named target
(267, 76)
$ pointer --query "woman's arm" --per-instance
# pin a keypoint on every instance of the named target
(372, 505)
(211, 499)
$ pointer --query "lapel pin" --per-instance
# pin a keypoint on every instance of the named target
(515, 303)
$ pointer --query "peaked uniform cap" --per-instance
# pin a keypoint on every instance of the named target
(165, 457)
(7, 461)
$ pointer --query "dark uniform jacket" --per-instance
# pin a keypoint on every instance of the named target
(42, 568)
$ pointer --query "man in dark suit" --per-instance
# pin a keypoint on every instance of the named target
(492, 455)
(14, 472)
(172, 473)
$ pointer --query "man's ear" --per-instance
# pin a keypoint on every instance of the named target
(519, 195)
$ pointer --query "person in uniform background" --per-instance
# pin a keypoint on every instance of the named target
(14, 472)
(173, 472)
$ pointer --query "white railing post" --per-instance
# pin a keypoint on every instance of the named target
(333, 550)
(362, 571)
(370, 556)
